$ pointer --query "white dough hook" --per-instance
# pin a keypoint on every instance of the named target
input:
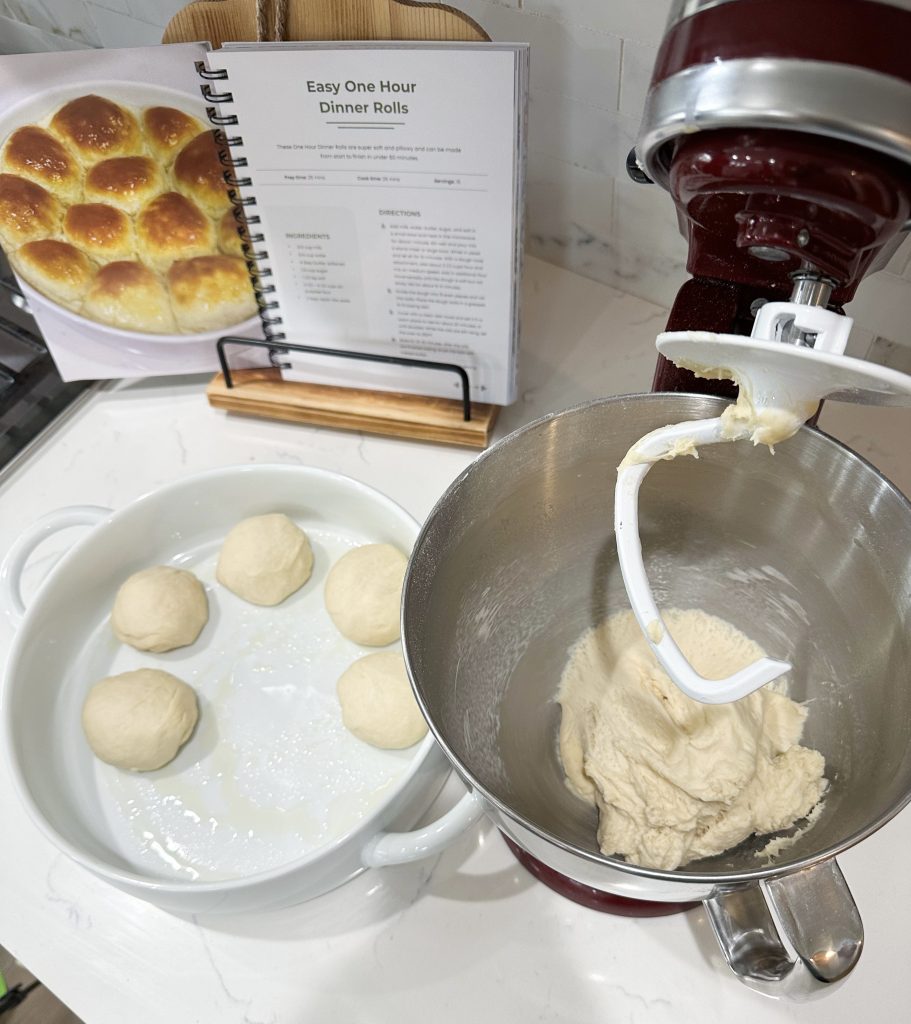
(781, 384)
(659, 445)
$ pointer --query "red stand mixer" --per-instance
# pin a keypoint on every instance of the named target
(783, 133)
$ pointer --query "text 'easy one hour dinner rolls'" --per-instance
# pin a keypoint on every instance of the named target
(128, 295)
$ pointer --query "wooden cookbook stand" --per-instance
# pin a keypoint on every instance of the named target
(263, 392)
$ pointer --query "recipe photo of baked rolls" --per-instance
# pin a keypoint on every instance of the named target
(121, 214)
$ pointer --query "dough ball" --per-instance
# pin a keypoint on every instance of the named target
(139, 720)
(377, 703)
(264, 559)
(159, 609)
(364, 594)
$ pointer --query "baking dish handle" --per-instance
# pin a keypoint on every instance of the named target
(18, 555)
(404, 847)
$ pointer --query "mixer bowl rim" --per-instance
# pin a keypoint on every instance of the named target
(697, 877)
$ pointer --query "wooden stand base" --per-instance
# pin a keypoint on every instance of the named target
(262, 392)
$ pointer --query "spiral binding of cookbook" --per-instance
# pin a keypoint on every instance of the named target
(253, 257)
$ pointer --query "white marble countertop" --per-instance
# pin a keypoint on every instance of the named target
(469, 936)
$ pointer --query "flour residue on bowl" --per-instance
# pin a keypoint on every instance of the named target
(271, 773)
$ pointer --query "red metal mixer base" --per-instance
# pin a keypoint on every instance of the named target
(594, 899)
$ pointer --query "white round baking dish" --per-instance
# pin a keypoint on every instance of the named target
(271, 801)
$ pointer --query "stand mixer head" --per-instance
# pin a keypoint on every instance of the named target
(787, 151)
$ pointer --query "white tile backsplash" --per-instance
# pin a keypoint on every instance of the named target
(122, 30)
(591, 63)
(17, 37)
(643, 20)
(66, 18)
(31, 12)
(575, 132)
(636, 65)
(883, 305)
(157, 12)
(651, 253)
(143, 9)
(567, 59)
(566, 194)
(900, 263)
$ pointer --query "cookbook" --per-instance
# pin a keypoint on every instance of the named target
(355, 197)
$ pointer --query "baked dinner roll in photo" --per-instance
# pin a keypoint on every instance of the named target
(127, 182)
(167, 130)
(94, 128)
(27, 211)
(101, 231)
(33, 153)
(229, 240)
(210, 292)
(200, 174)
(171, 227)
(57, 269)
(127, 294)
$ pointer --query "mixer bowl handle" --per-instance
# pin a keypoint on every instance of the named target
(797, 935)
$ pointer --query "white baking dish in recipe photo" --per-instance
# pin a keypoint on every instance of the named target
(271, 801)
(164, 266)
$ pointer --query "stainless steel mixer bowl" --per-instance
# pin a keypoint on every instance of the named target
(807, 551)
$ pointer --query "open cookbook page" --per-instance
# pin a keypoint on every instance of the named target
(387, 182)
